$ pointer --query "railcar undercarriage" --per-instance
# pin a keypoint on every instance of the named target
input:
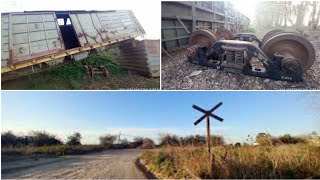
(279, 55)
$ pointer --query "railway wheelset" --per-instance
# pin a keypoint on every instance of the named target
(280, 55)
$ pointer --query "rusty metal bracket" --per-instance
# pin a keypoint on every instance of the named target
(92, 71)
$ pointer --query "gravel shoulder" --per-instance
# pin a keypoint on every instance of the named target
(111, 164)
(178, 74)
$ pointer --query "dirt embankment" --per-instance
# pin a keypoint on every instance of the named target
(181, 75)
(111, 164)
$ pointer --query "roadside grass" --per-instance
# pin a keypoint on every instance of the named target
(260, 162)
(55, 151)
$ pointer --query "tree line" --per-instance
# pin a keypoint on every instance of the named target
(270, 14)
(42, 138)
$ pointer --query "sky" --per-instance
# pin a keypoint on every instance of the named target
(149, 114)
(248, 8)
(147, 12)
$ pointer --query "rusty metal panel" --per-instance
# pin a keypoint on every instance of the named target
(30, 35)
(5, 54)
(95, 27)
(141, 56)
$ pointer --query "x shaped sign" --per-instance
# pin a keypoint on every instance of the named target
(207, 113)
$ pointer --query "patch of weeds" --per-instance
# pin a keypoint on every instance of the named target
(73, 73)
(36, 86)
(74, 84)
(106, 60)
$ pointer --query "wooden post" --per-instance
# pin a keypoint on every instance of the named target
(206, 115)
(208, 136)
(211, 158)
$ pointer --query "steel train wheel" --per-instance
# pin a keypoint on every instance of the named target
(203, 37)
(225, 34)
(292, 45)
(270, 33)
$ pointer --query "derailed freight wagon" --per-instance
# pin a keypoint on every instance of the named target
(33, 41)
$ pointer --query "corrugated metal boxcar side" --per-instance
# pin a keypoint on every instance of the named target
(27, 36)
(141, 56)
(30, 35)
(96, 27)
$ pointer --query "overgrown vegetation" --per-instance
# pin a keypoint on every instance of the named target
(283, 161)
(34, 138)
(73, 73)
(42, 142)
(193, 140)
(265, 156)
(73, 76)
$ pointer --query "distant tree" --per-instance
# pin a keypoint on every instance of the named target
(74, 139)
(8, 139)
(314, 133)
(137, 142)
(193, 140)
(237, 144)
(107, 140)
(217, 140)
(169, 140)
(288, 139)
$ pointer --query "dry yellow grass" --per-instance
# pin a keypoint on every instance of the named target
(283, 161)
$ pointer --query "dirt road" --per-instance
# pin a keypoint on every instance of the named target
(115, 164)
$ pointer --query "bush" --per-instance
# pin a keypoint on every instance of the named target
(169, 140)
(288, 139)
(217, 141)
(36, 138)
(263, 139)
(42, 138)
(192, 140)
(147, 144)
(74, 140)
(107, 140)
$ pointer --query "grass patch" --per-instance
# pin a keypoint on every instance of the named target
(73, 74)
(283, 161)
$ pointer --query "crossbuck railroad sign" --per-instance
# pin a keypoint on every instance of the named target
(208, 114)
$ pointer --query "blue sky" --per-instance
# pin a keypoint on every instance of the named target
(153, 113)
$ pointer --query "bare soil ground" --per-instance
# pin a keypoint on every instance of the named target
(178, 74)
(130, 81)
(111, 164)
